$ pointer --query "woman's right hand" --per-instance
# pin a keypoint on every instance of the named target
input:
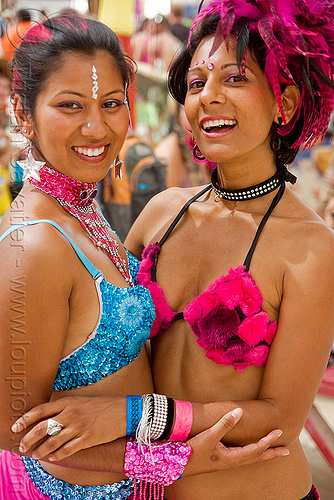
(87, 421)
(210, 455)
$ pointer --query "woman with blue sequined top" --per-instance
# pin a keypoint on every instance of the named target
(73, 320)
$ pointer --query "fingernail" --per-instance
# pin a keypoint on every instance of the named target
(22, 448)
(285, 453)
(51, 458)
(15, 427)
(237, 412)
(280, 434)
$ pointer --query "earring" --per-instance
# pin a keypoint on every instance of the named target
(275, 139)
(89, 124)
(118, 167)
(197, 153)
(31, 167)
(126, 102)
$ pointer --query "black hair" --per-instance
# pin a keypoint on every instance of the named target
(23, 15)
(43, 48)
(245, 39)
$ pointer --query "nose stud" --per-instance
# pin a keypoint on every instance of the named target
(89, 124)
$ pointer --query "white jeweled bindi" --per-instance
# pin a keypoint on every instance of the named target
(95, 86)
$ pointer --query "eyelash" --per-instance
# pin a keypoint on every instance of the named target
(109, 104)
(240, 78)
(115, 103)
(69, 105)
(194, 82)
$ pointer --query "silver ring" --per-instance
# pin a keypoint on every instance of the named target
(89, 124)
(54, 427)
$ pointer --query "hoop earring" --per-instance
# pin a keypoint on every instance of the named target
(197, 153)
(275, 143)
(275, 139)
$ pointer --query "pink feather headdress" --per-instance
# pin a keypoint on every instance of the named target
(299, 37)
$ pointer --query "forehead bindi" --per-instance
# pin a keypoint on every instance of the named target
(91, 76)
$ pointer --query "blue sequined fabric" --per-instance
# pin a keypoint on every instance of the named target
(56, 489)
(133, 264)
(124, 327)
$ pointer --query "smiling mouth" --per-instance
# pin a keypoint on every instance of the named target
(218, 125)
(90, 151)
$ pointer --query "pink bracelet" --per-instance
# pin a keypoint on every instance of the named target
(160, 463)
(183, 421)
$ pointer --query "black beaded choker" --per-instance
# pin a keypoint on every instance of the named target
(251, 192)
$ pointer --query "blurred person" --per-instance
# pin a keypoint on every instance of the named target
(176, 26)
(175, 151)
(5, 155)
(12, 38)
(139, 40)
(157, 46)
(5, 89)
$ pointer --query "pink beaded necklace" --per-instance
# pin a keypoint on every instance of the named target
(76, 198)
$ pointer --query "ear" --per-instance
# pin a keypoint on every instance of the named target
(23, 119)
(290, 101)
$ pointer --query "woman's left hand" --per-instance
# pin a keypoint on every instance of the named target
(86, 421)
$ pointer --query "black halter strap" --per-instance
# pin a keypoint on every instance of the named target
(266, 216)
(182, 212)
(172, 226)
(250, 253)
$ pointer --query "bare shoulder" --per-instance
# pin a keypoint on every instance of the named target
(38, 250)
(308, 240)
(157, 216)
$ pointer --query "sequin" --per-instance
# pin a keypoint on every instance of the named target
(124, 327)
(160, 463)
(56, 489)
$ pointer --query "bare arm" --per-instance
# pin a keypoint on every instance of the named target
(31, 297)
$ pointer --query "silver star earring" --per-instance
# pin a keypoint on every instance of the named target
(31, 167)
(118, 167)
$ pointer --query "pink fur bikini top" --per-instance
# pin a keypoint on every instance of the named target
(227, 317)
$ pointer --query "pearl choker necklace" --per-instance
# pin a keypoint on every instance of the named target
(76, 198)
(247, 193)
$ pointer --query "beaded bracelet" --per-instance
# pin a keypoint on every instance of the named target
(170, 419)
(159, 419)
(183, 421)
(160, 463)
(134, 413)
(154, 418)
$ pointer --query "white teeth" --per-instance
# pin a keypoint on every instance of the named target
(90, 152)
(218, 123)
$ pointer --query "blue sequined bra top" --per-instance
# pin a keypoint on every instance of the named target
(126, 317)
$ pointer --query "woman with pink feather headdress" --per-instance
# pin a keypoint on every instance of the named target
(241, 271)
(242, 276)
